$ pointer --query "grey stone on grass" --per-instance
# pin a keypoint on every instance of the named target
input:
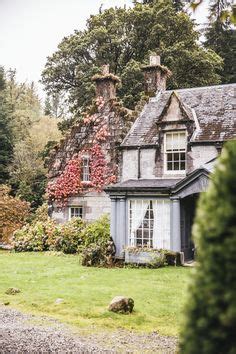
(121, 304)
(12, 291)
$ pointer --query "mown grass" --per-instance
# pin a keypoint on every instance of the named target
(159, 294)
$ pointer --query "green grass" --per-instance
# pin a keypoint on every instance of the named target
(159, 294)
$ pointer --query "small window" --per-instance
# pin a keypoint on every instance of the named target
(85, 169)
(76, 212)
(175, 152)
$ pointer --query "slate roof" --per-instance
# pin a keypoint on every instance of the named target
(214, 106)
(134, 184)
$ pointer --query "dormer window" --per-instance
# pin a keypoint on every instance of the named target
(85, 169)
(175, 144)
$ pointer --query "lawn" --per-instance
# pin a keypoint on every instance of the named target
(159, 294)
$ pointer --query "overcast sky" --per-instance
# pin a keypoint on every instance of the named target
(30, 30)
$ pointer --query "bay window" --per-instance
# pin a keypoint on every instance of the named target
(149, 223)
(175, 144)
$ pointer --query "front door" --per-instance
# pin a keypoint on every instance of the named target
(188, 208)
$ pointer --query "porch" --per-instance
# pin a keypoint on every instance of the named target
(156, 214)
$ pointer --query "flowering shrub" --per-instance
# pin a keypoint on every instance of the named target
(30, 238)
(44, 236)
(67, 237)
(92, 240)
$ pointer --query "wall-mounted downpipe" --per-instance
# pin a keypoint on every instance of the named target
(139, 165)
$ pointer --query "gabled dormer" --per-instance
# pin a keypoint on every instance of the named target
(175, 126)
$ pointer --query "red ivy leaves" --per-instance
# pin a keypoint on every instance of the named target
(69, 183)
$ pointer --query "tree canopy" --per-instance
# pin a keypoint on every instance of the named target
(6, 144)
(221, 37)
(124, 38)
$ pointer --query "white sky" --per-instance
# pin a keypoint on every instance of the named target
(30, 30)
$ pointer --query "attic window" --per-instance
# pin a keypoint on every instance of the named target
(175, 151)
(85, 169)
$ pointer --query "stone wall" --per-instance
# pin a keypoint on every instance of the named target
(152, 161)
(94, 205)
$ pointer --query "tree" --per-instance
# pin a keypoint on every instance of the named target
(24, 106)
(13, 213)
(6, 145)
(27, 171)
(221, 37)
(124, 38)
(211, 308)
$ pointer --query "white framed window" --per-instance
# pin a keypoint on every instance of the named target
(75, 212)
(85, 169)
(175, 145)
(149, 223)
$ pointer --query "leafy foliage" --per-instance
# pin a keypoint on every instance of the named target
(13, 213)
(43, 234)
(70, 181)
(221, 37)
(6, 145)
(211, 310)
(97, 247)
(124, 38)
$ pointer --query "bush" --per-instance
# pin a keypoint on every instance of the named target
(211, 308)
(30, 238)
(13, 213)
(67, 237)
(98, 247)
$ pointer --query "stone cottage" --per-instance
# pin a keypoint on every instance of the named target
(87, 158)
(161, 163)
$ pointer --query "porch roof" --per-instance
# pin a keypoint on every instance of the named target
(144, 185)
(194, 182)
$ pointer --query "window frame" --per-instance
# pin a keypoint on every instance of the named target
(85, 170)
(76, 207)
(143, 228)
(174, 172)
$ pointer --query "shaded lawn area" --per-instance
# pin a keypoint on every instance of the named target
(159, 294)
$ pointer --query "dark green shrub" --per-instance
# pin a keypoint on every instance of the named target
(98, 247)
(210, 324)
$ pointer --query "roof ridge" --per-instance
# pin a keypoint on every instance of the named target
(202, 87)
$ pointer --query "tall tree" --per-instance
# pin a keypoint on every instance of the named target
(124, 38)
(211, 307)
(221, 37)
(6, 145)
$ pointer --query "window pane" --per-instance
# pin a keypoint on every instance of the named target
(176, 157)
(182, 165)
(176, 166)
(169, 157)
(169, 166)
(168, 141)
(182, 156)
(182, 141)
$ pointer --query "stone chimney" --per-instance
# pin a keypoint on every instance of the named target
(155, 76)
(106, 84)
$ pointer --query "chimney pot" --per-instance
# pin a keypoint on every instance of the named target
(155, 60)
(106, 84)
(155, 75)
(105, 69)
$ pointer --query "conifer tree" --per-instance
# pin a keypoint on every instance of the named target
(211, 308)
(5, 132)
